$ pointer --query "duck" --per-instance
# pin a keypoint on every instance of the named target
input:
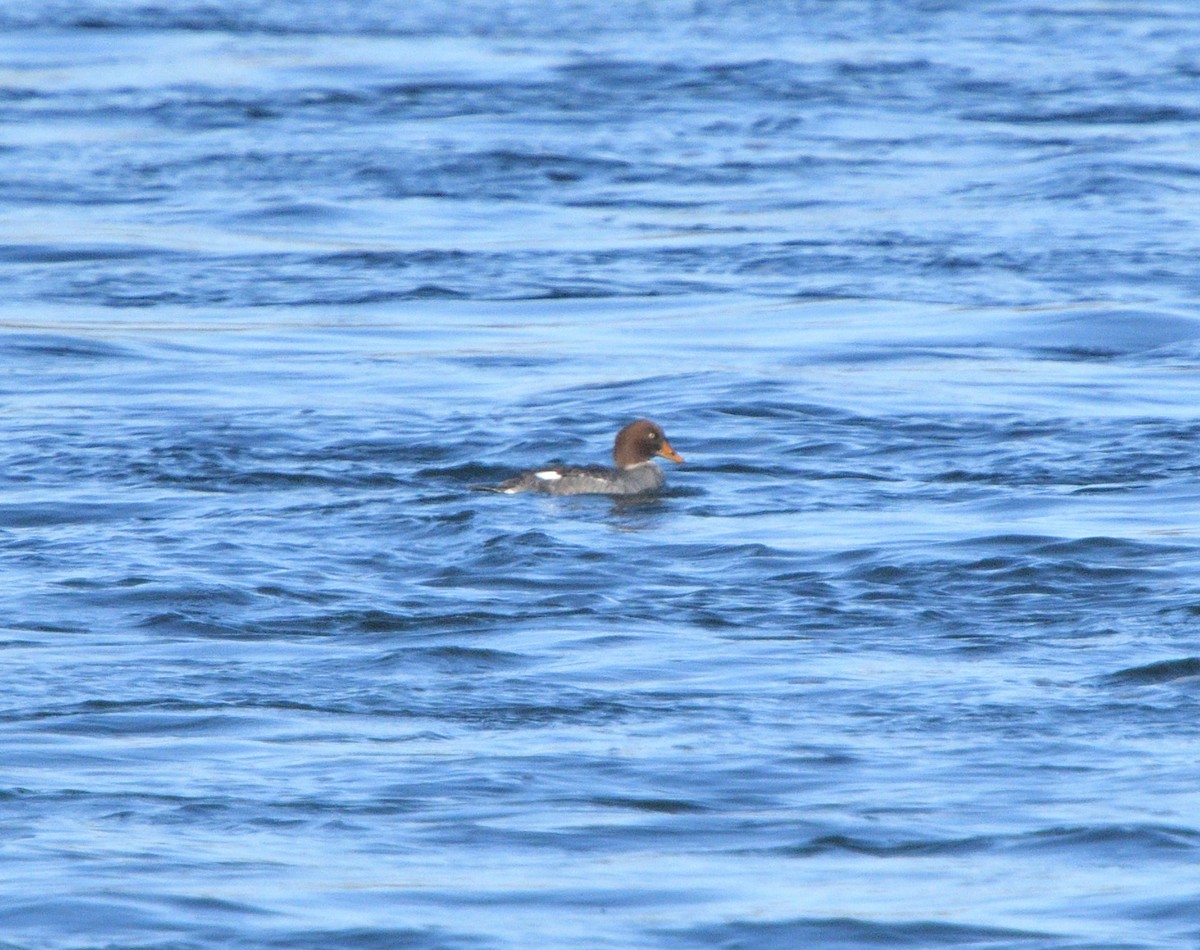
(635, 472)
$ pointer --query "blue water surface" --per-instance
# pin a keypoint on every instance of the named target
(906, 655)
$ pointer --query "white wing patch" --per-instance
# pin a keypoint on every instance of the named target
(548, 476)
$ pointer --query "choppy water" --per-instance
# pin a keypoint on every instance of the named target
(907, 654)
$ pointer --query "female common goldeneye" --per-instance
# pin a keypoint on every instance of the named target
(634, 474)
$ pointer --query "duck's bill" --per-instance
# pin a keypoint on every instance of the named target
(669, 453)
